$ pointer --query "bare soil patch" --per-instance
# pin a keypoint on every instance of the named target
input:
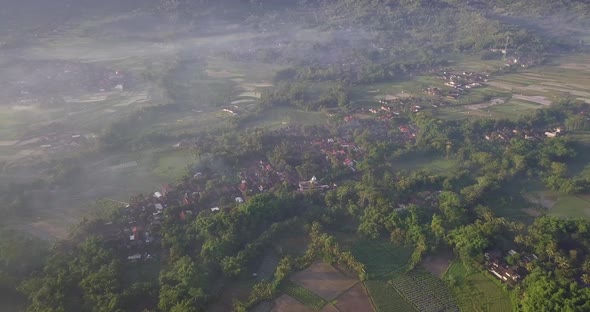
(355, 299)
(8, 143)
(324, 280)
(330, 308)
(540, 199)
(286, 303)
(535, 99)
(578, 66)
(439, 263)
(491, 103)
(532, 212)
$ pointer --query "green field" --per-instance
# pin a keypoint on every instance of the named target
(476, 292)
(571, 206)
(304, 296)
(380, 258)
(428, 162)
(386, 298)
(563, 76)
(424, 291)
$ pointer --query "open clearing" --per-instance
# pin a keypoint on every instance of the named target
(354, 300)
(571, 206)
(438, 263)
(324, 280)
(428, 162)
(476, 292)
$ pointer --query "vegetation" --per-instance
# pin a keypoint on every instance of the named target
(305, 296)
(424, 291)
(386, 298)
(476, 292)
(396, 176)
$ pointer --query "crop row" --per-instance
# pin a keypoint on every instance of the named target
(304, 296)
(425, 291)
(386, 298)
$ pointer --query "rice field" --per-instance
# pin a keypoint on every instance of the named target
(474, 291)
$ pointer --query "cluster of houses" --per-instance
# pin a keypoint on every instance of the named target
(499, 267)
(505, 134)
(339, 150)
(459, 82)
(261, 177)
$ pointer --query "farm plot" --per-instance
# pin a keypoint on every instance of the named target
(476, 292)
(286, 303)
(354, 300)
(323, 280)
(425, 291)
(386, 298)
(308, 298)
(380, 258)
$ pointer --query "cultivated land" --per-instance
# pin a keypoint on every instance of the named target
(475, 291)
(324, 280)
(354, 299)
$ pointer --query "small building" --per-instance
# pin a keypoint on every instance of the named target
(157, 195)
(214, 209)
(239, 200)
(134, 257)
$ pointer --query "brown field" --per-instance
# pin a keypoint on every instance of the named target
(286, 303)
(355, 299)
(329, 308)
(324, 280)
(439, 263)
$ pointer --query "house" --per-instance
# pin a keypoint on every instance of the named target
(214, 209)
(507, 274)
(229, 111)
(134, 257)
(239, 200)
(308, 185)
(550, 134)
(158, 195)
(159, 207)
(311, 185)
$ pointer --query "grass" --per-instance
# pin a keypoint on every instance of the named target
(172, 164)
(571, 206)
(429, 162)
(424, 291)
(386, 298)
(380, 258)
(282, 117)
(304, 295)
(476, 292)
